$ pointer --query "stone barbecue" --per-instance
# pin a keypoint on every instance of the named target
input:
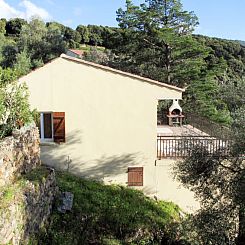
(175, 116)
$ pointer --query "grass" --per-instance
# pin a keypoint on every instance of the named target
(37, 175)
(109, 215)
(14, 192)
(87, 48)
(6, 196)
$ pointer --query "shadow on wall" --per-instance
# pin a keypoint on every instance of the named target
(106, 166)
(61, 157)
(58, 156)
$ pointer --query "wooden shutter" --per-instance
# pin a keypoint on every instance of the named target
(135, 176)
(59, 126)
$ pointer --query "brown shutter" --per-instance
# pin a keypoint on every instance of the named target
(59, 126)
(135, 176)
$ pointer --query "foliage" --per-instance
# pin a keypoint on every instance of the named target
(204, 98)
(233, 94)
(238, 126)
(37, 175)
(23, 63)
(14, 191)
(7, 51)
(111, 214)
(98, 56)
(14, 104)
(32, 39)
(154, 40)
(219, 183)
(84, 33)
(226, 59)
(14, 26)
(95, 35)
(72, 37)
(56, 43)
(37, 44)
(157, 42)
(3, 25)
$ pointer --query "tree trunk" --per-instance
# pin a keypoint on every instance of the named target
(241, 231)
(167, 62)
(167, 47)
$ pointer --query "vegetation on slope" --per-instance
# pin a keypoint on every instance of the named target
(13, 192)
(110, 214)
(219, 184)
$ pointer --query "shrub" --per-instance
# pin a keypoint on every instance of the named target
(14, 106)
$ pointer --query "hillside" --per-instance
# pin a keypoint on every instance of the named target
(212, 69)
(103, 214)
(241, 42)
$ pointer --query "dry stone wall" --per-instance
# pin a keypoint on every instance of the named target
(27, 189)
(29, 207)
(19, 154)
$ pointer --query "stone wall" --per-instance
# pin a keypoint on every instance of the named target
(29, 207)
(27, 190)
(19, 154)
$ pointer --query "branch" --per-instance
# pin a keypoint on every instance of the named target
(229, 168)
(153, 44)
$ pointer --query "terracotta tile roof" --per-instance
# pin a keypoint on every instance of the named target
(106, 68)
(77, 52)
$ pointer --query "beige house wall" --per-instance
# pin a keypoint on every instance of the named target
(111, 120)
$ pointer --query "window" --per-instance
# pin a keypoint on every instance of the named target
(135, 176)
(46, 126)
(52, 126)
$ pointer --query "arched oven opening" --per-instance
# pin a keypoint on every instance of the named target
(176, 112)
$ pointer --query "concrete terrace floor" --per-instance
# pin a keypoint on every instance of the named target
(185, 130)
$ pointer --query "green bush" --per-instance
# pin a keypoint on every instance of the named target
(14, 106)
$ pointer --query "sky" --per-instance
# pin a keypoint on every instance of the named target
(218, 18)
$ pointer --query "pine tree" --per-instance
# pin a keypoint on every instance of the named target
(157, 41)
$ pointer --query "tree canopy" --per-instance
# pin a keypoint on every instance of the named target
(219, 184)
(157, 42)
(14, 104)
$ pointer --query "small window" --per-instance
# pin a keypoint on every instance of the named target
(52, 126)
(135, 176)
(46, 126)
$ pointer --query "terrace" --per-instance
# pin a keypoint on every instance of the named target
(178, 140)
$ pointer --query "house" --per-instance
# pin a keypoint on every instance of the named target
(101, 123)
(76, 53)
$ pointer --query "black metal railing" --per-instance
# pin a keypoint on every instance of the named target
(181, 146)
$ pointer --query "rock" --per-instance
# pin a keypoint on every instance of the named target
(67, 202)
